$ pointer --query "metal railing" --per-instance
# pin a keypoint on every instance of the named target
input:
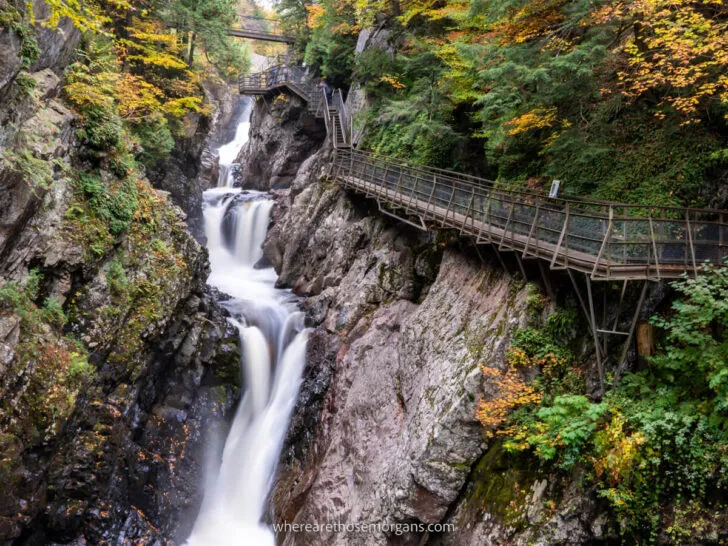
(605, 240)
(259, 28)
(344, 119)
(278, 76)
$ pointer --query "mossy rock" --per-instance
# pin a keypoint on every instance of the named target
(225, 365)
(500, 485)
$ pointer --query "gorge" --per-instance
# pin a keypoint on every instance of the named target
(306, 316)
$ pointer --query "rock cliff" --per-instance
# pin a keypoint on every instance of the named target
(385, 430)
(282, 135)
(115, 360)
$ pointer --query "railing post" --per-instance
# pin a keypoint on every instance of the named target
(654, 246)
(508, 221)
(483, 220)
(468, 213)
(530, 233)
(449, 206)
(690, 240)
(607, 235)
(564, 233)
(386, 181)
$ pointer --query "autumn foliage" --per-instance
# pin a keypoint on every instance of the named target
(511, 392)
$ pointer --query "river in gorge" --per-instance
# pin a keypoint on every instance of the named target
(273, 341)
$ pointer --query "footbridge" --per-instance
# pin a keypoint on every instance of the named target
(259, 28)
(604, 241)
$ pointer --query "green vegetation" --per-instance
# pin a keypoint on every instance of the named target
(655, 445)
(36, 171)
(61, 367)
(136, 86)
(620, 100)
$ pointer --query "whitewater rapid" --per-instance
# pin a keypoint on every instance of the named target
(273, 341)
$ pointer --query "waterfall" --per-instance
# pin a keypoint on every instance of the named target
(273, 340)
(228, 153)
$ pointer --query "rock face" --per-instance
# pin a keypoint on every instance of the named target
(385, 429)
(117, 363)
(192, 167)
(282, 135)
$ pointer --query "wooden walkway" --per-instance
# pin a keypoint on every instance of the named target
(605, 240)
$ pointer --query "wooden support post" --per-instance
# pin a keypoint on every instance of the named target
(500, 259)
(597, 347)
(546, 282)
(619, 305)
(645, 341)
(635, 318)
(578, 296)
(520, 265)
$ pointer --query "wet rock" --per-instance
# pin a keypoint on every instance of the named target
(10, 61)
(282, 135)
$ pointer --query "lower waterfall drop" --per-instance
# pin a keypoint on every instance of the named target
(273, 340)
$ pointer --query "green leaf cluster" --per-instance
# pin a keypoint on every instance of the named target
(658, 439)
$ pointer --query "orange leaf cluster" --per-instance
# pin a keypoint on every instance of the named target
(512, 392)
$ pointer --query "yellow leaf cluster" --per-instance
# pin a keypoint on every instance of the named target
(679, 47)
(511, 392)
(316, 13)
(538, 118)
(137, 97)
(392, 81)
(619, 450)
(86, 15)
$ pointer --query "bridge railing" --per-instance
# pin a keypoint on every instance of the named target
(343, 114)
(277, 76)
(606, 240)
(259, 25)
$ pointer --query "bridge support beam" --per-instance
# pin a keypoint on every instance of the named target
(588, 307)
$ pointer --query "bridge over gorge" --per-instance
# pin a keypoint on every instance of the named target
(604, 241)
(259, 28)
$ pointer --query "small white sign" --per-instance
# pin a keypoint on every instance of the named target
(554, 193)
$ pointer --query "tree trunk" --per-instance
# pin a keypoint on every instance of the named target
(645, 343)
(191, 54)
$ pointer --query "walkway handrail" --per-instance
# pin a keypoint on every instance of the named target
(327, 108)
(343, 113)
(299, 76)
(604, 244)
(262, 31)
(630, 210)
(279, 76)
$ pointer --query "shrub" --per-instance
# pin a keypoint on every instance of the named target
(53, 314)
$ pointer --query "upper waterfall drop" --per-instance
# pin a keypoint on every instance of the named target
(273, 340)
(228, 153)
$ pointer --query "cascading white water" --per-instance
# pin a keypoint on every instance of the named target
(228, 153)
(273, 339)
